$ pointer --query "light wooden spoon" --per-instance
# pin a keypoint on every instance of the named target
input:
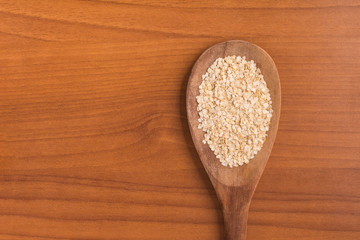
(234, 186)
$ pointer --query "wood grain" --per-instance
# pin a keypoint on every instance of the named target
(235, 186)
(93, 134)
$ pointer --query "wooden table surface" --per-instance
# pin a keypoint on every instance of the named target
(94, 139)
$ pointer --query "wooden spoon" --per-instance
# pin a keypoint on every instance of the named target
(234, 186)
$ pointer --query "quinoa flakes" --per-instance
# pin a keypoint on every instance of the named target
(235, 109)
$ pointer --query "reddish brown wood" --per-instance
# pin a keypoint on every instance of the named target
(94, 139)
(234, 186)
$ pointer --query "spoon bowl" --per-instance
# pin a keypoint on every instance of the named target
(234, 186)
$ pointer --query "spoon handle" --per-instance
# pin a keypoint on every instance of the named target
(235, 203)
(235, 220)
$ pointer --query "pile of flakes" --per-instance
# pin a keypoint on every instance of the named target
(235, 110)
